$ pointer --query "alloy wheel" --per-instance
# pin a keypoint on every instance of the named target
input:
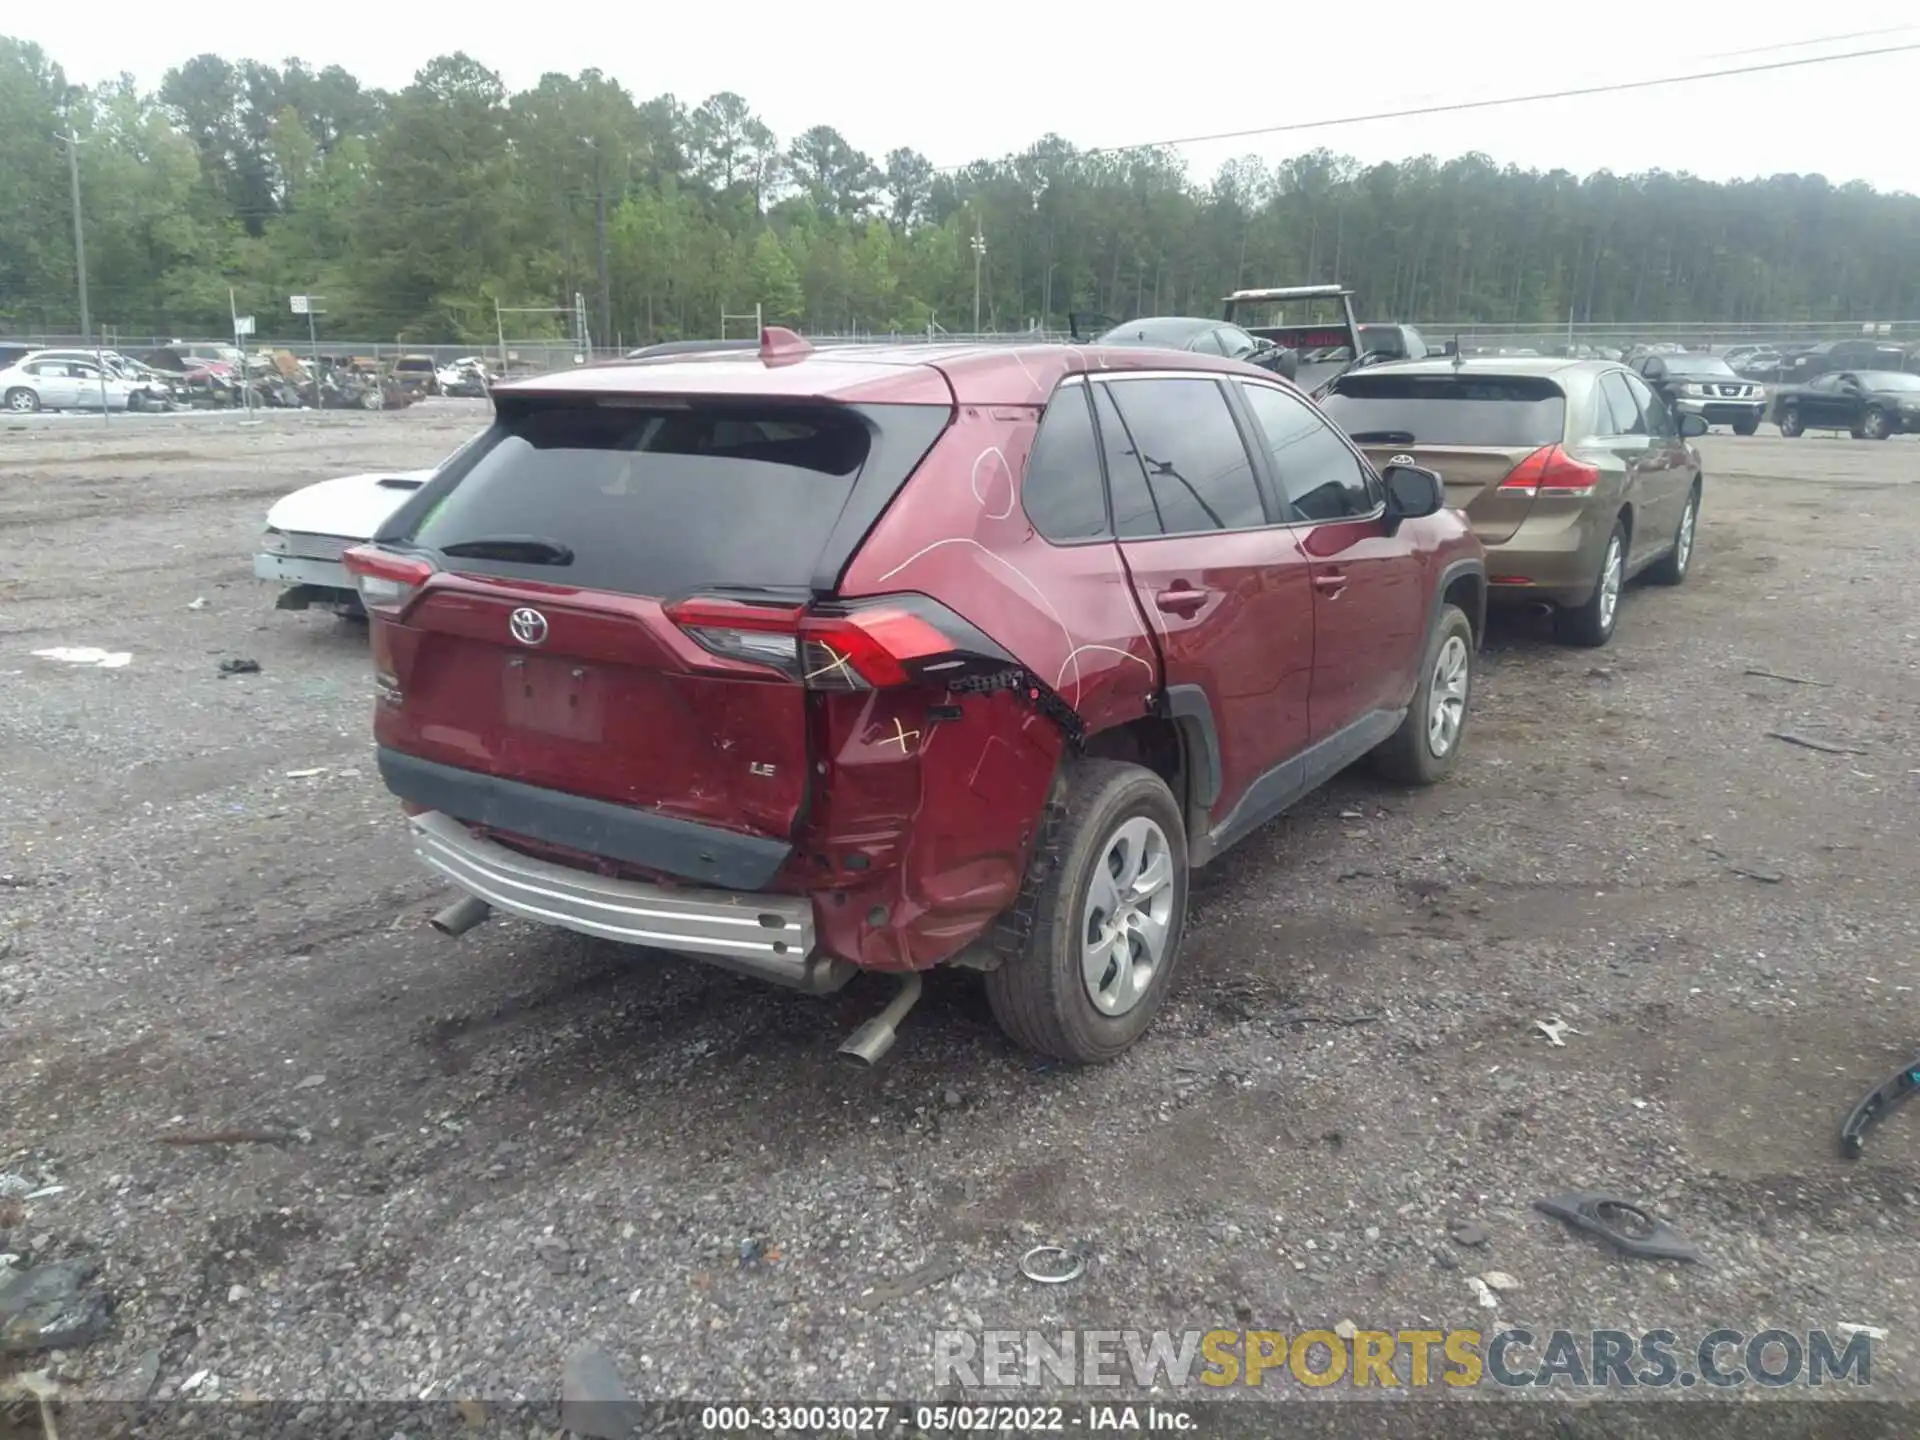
(1612, 573)
(1129, 914)
(1447, 705)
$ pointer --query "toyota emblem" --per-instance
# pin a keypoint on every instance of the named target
(529, 627)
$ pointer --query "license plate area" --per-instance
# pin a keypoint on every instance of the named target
(545, 695)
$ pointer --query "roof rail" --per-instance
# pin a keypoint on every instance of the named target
(1291, 292)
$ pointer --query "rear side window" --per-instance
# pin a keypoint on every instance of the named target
(1062, 494)
(1181, 438)
(653, 501)
(1616, 411)
(1462, 409)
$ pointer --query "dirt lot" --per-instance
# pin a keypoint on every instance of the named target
(523, 1140)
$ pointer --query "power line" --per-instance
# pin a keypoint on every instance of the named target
(1454, 107)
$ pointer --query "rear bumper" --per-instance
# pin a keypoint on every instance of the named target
(302, 570)
(768, 936)
(1551, 558)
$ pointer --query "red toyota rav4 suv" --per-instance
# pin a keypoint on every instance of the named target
(811, 662)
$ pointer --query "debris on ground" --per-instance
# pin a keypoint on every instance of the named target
(55, 1306)
(1554, 1029)
(1345, 1329)
(199, 602)
(1621, 1223)
(1484, 1293)
(306, 774)
(1765, 877)
(12, 1186)
(1806, 743)
(87, 655)
(240, 666)
(1498, 1280)
(310, 1082)
(1468, 1232)
(1874, 1106)
(921, 1278)
(1053, 1264)
(1790, 679)
(230, 1137)
(758, 1251)
(594, 1400)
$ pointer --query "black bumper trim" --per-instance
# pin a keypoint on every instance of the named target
(593, 827)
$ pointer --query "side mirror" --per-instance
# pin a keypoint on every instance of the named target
(1413, 492)
(1286, 362)
(1692, 427)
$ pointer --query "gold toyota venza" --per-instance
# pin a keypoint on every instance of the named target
(1573, 474)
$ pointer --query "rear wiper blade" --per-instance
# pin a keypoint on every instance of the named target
(526, 549)
(1382, 437)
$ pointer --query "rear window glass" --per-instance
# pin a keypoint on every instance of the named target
(655, 501)
(1501, 410)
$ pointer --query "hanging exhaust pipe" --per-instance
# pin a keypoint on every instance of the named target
(868, 1045)
(461, 916)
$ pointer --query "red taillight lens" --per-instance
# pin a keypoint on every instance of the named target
(1551, 471)
(386, 581)
(860, 645)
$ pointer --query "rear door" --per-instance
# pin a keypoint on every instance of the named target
(1370, 592)
(1226, 589)
(54, 380)
(616, 612)
(1473, 428)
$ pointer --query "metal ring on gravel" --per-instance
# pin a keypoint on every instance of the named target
(1076, 1265)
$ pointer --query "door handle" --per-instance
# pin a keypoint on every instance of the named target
(1181, 600)
(1332, 583)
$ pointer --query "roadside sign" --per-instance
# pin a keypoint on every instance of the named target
(243, 325)
(299, 304)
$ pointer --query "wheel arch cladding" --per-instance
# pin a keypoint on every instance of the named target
(1463, 583)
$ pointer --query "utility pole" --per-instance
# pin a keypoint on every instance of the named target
(72, 141)
(979, 255)
(606, 291)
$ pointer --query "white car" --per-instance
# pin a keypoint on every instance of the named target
(38, 383)
(309, 530)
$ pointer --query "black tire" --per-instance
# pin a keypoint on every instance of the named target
(1038, 993)
(1789, 422)
(1671, 568)
(1874, 424)
(1407, 756)
(1592, 625)
(21, 401)
(1746, 427)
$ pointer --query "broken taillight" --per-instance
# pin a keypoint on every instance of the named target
(386, 581)
(843, 645)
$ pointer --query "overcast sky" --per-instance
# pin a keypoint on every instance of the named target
(959, 82)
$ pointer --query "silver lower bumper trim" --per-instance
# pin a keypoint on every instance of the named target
(765, 935)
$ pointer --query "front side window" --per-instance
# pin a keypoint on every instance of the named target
(1318, 472)
(1180, 436)
(1619, 407)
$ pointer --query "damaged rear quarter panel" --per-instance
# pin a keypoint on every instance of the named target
(948, 815)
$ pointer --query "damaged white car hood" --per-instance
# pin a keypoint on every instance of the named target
(354, 506)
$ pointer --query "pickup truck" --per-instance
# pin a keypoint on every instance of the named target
(1317, 323)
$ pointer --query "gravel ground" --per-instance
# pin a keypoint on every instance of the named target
(523, 1141)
